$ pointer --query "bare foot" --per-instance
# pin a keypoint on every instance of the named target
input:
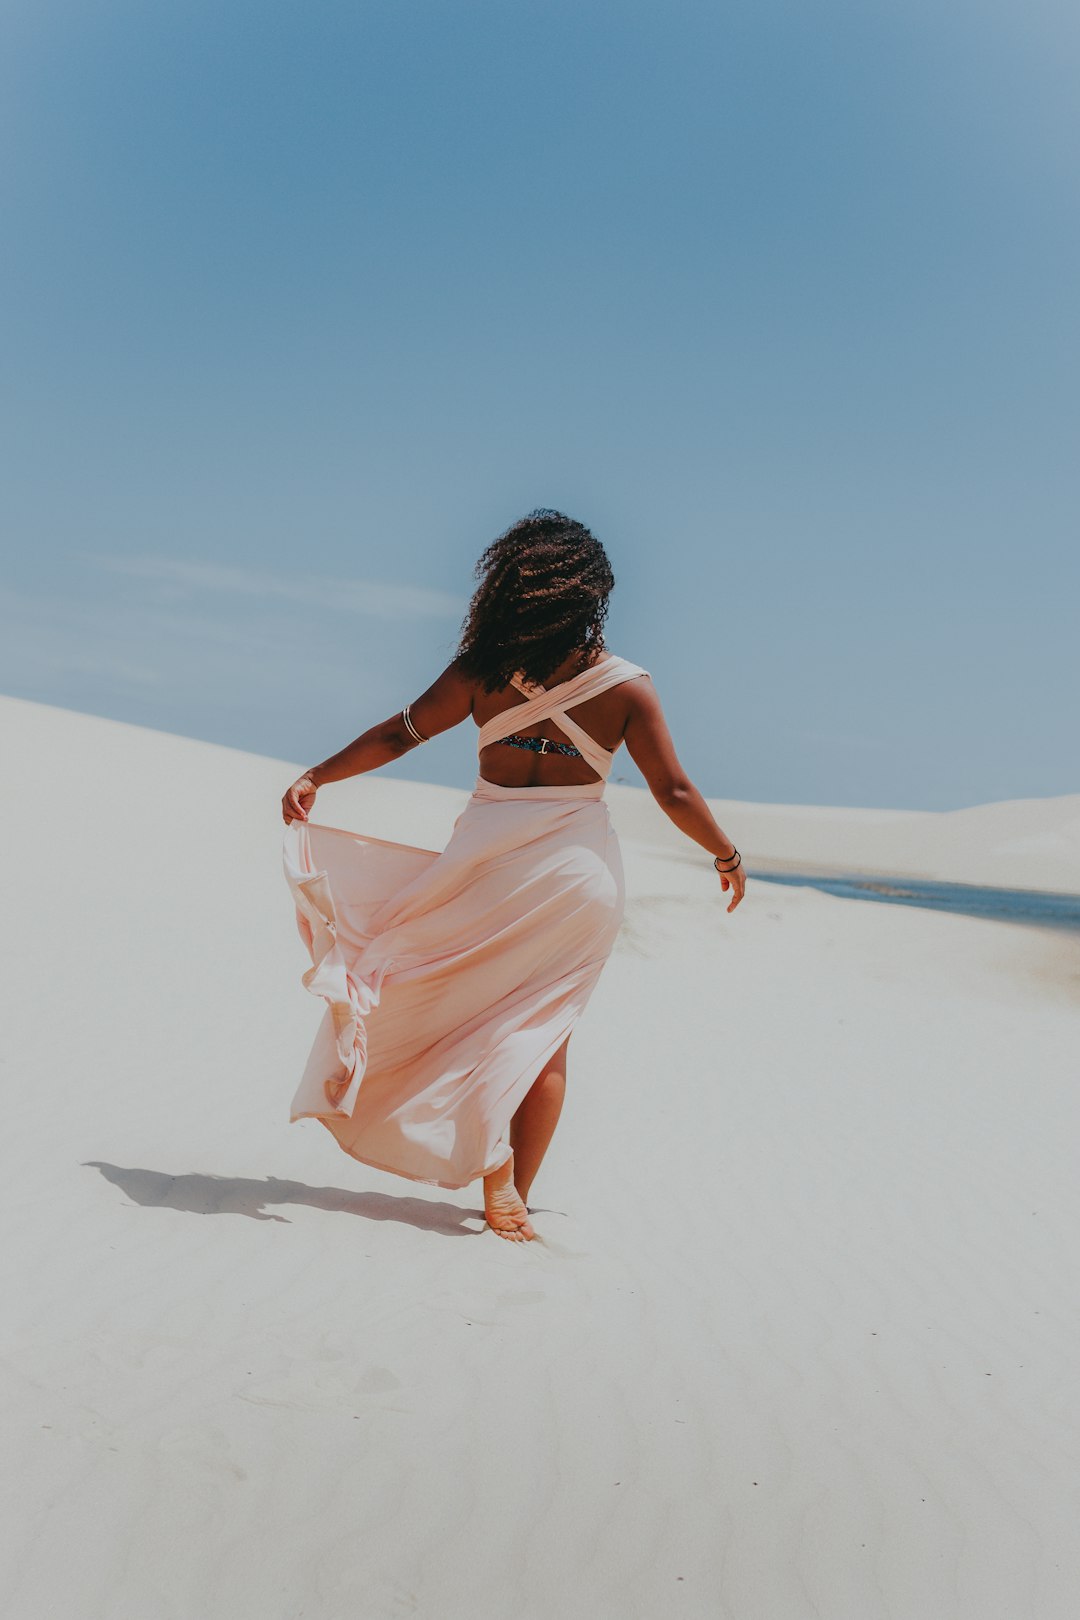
(503, 1209)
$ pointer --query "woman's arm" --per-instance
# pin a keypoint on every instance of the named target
(649, 743)
(446, 703)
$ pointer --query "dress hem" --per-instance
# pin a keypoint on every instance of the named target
(547, 1053)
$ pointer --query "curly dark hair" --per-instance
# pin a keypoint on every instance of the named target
(542, 596)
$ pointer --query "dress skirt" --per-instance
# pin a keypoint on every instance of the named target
(449, 979)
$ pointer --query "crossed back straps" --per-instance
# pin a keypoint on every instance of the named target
(552, 702)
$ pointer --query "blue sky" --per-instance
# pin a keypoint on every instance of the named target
(304, 304)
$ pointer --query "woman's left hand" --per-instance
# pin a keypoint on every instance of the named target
(298, 801)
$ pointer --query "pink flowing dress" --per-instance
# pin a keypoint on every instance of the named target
(450, 978)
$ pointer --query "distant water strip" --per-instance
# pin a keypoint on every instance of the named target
(1032, 907)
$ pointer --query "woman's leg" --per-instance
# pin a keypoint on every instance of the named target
(533, 1126)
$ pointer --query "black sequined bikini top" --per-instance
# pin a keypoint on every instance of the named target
(541, 745)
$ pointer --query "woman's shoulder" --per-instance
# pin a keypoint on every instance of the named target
(625, 666)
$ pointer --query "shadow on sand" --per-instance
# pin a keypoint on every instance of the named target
(197, 1194)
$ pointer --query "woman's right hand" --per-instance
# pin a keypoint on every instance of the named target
(735, 881)
(299, 799)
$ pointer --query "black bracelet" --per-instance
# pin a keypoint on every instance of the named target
(734, 867)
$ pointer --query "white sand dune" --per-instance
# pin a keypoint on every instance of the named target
(799, 1339)
(1022, 844)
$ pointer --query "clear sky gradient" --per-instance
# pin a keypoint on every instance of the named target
(303, 304)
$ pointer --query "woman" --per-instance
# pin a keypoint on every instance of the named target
(453, 980)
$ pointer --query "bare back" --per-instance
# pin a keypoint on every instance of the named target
(604, 717)
(629, 712)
